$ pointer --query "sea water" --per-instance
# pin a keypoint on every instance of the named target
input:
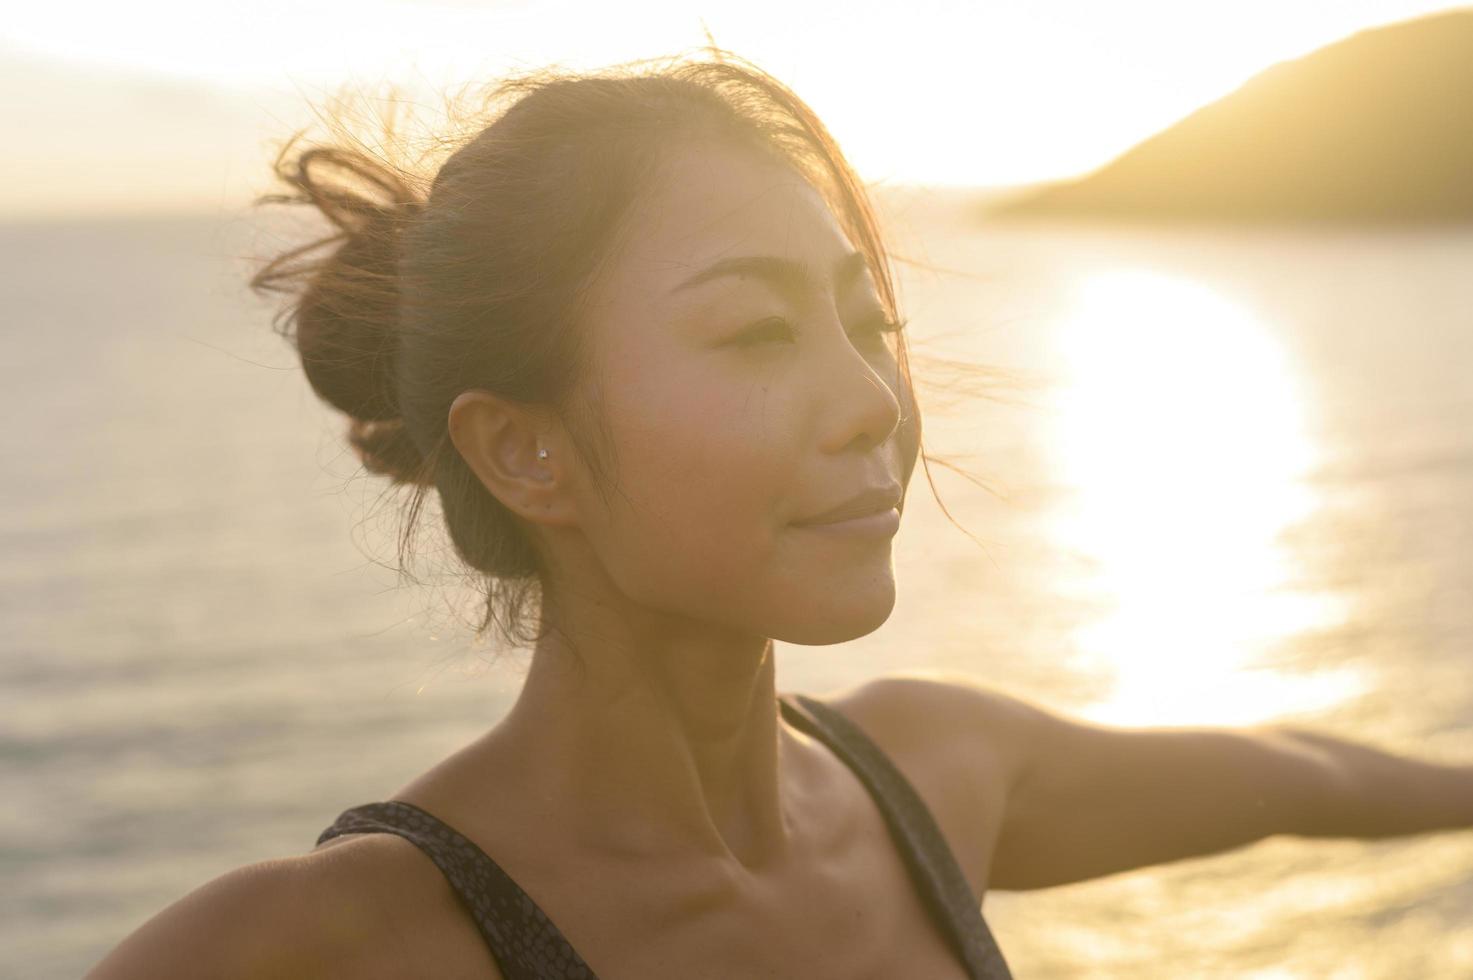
(1194, 477)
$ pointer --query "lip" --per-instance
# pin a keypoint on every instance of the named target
(881, 523)
(873, 504)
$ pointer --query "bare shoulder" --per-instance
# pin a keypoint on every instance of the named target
(961, 744)
(938, 714)
(367, 906)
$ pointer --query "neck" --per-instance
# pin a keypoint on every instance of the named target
(667, 736)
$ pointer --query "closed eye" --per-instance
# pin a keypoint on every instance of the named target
(879, 324)
(773, 328)
(778, 329)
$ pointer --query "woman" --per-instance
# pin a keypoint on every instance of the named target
(640, 337)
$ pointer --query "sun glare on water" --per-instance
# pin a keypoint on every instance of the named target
(1179, 440)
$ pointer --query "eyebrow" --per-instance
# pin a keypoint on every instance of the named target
(788, 275)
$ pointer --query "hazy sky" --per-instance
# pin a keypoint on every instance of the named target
(159, 104)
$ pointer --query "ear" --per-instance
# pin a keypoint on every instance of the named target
(499, 440)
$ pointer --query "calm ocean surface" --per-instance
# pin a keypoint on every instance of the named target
(1231, 482)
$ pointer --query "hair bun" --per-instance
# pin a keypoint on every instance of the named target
(387, 449)
(347, 324)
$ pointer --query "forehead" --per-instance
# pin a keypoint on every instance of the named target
(711, 203)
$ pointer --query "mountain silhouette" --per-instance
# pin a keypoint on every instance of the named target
(1374, 129)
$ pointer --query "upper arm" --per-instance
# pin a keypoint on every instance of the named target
(1092, 799)
(1068, 799)
(363, 906)
(249, 922)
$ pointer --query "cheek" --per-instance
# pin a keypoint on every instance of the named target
(708, 478)
(705, 467)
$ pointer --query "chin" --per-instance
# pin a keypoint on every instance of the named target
(828, 619)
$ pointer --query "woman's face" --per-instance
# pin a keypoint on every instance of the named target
(747, 379)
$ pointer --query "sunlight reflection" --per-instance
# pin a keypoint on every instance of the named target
(1180, 445)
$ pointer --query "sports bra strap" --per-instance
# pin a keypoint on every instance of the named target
(927, 856)
(525, 943)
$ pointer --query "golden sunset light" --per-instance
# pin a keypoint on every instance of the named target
(1180, 429)
(941, 93)
(840, 490)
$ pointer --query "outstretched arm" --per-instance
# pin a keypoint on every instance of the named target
(1379, 794)
(1085, 800)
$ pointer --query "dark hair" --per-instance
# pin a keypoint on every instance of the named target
(474, 279)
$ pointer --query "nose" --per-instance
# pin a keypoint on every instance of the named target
(859, 405)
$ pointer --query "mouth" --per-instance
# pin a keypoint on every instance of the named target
(877, 524)
(872, 502)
